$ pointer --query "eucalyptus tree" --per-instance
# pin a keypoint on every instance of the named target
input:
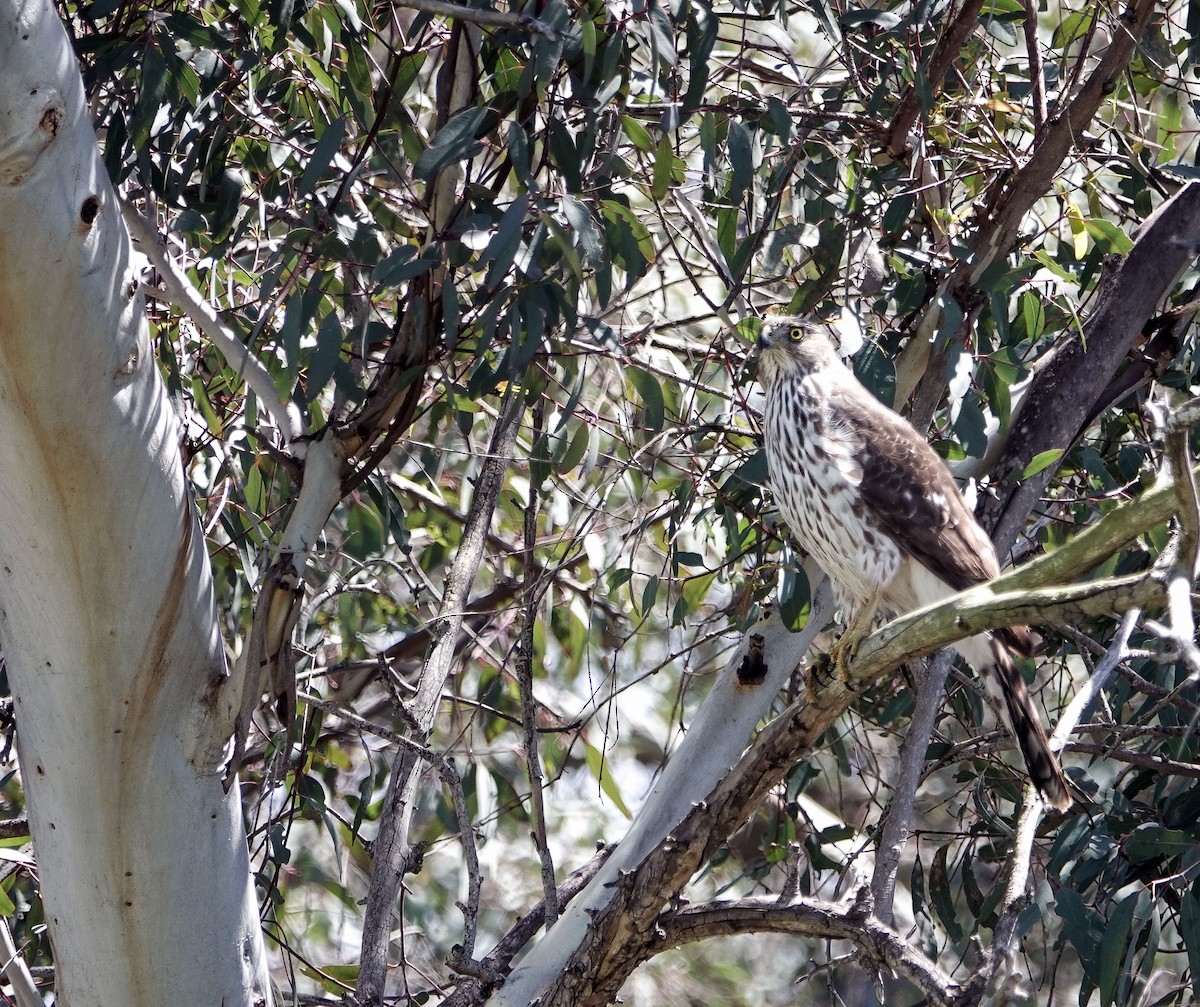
(404, 466)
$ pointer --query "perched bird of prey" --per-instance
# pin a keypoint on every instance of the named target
(865, 496)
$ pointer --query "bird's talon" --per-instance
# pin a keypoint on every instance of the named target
(821, 673)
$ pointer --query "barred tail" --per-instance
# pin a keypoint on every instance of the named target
(1044, 770)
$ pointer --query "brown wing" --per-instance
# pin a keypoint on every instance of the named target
(908, 489)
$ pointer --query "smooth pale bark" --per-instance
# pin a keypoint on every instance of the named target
(106, 608)
(714, 742)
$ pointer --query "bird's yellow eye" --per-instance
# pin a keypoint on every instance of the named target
(795, 333)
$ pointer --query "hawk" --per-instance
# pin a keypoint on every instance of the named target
(873, 503)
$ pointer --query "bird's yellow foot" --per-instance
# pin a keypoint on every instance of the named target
(842, 654)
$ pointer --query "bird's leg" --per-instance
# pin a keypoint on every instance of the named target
(846, 647)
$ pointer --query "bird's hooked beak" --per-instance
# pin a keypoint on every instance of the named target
(765, 342)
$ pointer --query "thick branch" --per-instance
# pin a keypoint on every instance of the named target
(622, 928)
(1080, 367)
(979, 609)
(948, 49)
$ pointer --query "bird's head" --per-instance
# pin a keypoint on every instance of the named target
(793, 347)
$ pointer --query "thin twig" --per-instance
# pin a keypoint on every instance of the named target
(476, 15)
(466, 832)
(931, 678)
(181, 293)
(393, 850)
(1034, 53)
(1105, 667)
(533, 762)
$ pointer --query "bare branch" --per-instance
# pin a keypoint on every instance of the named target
(882, 946)
(180, 291)
(477, 15)
(533, 760)
(1036, 78)
(392, 847)
(931, 678)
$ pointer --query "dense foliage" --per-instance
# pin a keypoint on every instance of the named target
(578, 211)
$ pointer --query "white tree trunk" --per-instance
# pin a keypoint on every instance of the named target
(106, 608)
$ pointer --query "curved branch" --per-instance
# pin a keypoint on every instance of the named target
(805, 917)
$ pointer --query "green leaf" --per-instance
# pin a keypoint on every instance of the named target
(587, 235)
(1041, 461)
(1058, 270)
(1116, 936)
(638, 135)
(505, 243)
(1189, 930)
(664, 158)
(1000, 29)
(870, 15)
(970, 427)
(1084, 929)
(795, 599)
(1108, 236)
(1151, 841)
(325, 357)
(649, 594)
(1072, 27)
(151, 96)
(651, 394)
(332, 978)
(1032, 319)
(598, 764)
(453, 142)
(326, 150)
(400, 265)
(940, 894)
(740, 160)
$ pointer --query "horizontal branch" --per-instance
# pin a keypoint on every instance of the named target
(476, 15)
(928, 629)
